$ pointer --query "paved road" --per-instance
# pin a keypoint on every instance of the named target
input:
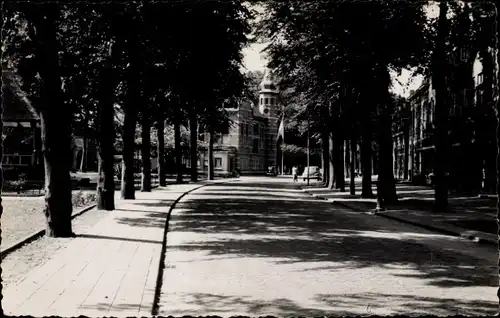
(259, 246)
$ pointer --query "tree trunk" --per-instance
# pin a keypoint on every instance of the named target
(406, 151)
(146, 150)
(347, 159)
(326, 158)
(340, 178)
(210, 155)
(106, 128)
(331, 161)
(83, 161)
(386, 186)
(177, 138)
(160, 131)
(366, 161)
(56, 125)
(129, 126)
(193, 127)
(441, 133)
(84, 152)
(1, 153)
(352, 184)
(496, 104)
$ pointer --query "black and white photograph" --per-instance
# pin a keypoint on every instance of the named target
(250, 158)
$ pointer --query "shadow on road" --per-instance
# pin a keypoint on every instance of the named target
(281, 224)
(315, 231)
(366, 304)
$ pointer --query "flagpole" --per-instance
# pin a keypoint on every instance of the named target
(282, 146)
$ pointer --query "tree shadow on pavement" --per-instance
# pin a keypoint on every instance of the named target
(203, 304)
(306, 232)
(146, 219)
(343, 304)
(404, 304)
(162, 203)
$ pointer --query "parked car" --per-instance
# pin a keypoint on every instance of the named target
(314, 173)
(271, 171)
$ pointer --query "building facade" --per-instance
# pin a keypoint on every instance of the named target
(249, 147)
(21, 134)
(471, 134)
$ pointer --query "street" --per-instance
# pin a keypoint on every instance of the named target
(260, 246)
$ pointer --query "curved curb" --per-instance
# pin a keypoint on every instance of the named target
(30, 238)
(161, 263)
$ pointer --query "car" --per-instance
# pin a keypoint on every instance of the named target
(271, 171)
(314, 173)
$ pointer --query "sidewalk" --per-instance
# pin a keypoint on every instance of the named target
(471, 217)
(110, 270)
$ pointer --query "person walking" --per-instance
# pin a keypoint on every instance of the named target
(294, 173)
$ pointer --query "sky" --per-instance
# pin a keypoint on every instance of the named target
(255, 61)
(402, 85)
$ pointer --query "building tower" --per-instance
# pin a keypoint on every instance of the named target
(268, 108)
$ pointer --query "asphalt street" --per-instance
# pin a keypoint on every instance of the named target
(259, 246)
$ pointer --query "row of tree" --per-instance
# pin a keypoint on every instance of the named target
(340, 73)
(170, 62)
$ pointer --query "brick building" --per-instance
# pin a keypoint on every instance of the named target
(250, 144)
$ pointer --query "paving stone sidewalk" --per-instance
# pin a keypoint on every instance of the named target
(110, 270)
(471, 217)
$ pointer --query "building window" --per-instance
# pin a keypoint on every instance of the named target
(262, 132)
(246, 129)
(464, 54)
(206, 163)
(480, 79)
(261, 100)
(256, 129)
(479, 98)
(218, 162)
(272, 101)
(241, 129)
(266, 101)
(255, 148)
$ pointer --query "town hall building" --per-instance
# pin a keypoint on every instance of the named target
(250, 145)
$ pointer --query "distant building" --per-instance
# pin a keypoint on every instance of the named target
(471, 129)
(250, 144)
(401, 139)
(21, 132)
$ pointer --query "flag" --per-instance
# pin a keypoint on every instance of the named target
(281, 129)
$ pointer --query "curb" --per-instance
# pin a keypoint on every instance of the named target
(434, 228)
(30, 238)
(161, 263)
(442, 230)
